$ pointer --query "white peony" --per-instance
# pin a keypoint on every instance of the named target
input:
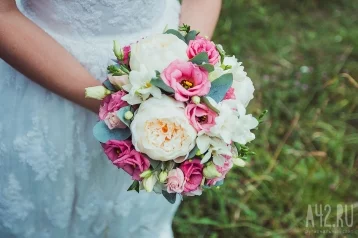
(157, 52)
(161, 130)
(232, 124)
(139, 88)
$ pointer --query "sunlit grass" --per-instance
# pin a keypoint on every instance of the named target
(303, 59)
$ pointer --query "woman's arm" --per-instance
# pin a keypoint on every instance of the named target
(32, 52)
(201, 15)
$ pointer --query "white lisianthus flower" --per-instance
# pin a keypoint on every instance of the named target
(214, 147)
(157, 52)
(161, 130)
(139, 88)
(242, 84)
(232, 123)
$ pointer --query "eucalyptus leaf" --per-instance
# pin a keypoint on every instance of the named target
(220, 86)
(154, 163)
(190, 36)
(200, 58)
(176, 33)
(219, 183)
(103, 134)
(120, 114)
(207, 67)
(107, 84)
(193, 152)
(158, 82)
(207, 103)
(134, 186)
(171, 197)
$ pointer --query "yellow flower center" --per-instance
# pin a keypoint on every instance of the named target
(186, 84)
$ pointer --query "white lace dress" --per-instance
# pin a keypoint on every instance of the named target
(54, 178)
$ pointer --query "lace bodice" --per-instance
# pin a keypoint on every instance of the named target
(95, 17)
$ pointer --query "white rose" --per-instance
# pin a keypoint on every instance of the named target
(157, 52)
(244, 89)
(161, 130)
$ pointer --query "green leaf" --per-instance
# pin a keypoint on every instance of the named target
(219, 183)
(220, 86)
(176, 33)
(103, 134)
(171, 197)
(155, 163)
(200, 58)
(120, 114)
(193, 152)
(190, 36)
(262, 115)
(134, 186)
(207, 67)
(107, 84)
(158, 82)
(207, 102)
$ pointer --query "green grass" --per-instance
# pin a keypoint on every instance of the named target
(299, 55)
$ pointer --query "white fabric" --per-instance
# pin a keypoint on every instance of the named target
(54, 178)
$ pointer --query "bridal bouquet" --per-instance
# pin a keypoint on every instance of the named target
(173, 113)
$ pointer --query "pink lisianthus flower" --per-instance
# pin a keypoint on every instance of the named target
(115, 148)
(134, 163)
(193, 174)
(126, 54)
(175, 181)
(201, 117)
(112, 103)
(201, 44)
(230, 94)
(221, 169)
(187, 80)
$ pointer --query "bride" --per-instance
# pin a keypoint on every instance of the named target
(54, 178)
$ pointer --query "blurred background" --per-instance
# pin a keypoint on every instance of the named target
(303, 59)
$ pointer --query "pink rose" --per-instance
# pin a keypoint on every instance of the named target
(176, 181)
(134, 163)
(193, 174)
(126, 53)
(112, 103)
(230, 94)
(186, 79)
(221, 169)
(201, 117)
(115, 148)
(112, 121)
(201, 44)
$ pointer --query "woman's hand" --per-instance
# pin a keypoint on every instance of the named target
(34, 53)
(201, 15)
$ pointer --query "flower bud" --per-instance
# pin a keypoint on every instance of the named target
(149, 182)
(195, 99)
(128, 115)
(118, 52)
(146, 174)
(119, 81)
(239, 162)
(211, 172)
(163, 176)
(97, 92)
